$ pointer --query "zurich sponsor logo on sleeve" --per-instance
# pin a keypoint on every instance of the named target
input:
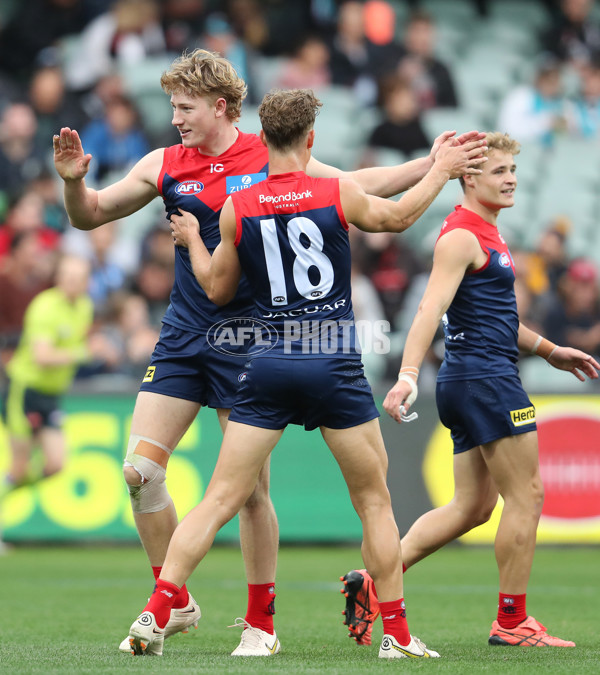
(237, 183)
(189, 187)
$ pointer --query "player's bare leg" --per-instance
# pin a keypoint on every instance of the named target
(159, 422)
(514, 466)
(243, 453)
(259, 530)
(259, 539)
(162, 420)
(475, 497)
(361, 456)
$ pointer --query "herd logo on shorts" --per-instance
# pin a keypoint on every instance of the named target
(149, 376)
(189, 187)
(523, 416)
(504, 259)
(237, 183)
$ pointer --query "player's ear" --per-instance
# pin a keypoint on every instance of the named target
(263, 138)
(220, 107)
(310, 139)
(468, 180)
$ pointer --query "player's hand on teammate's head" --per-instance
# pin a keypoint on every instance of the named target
(456, 140)
(184, 228)
(469, 136)
(465, 158)
(69, 159)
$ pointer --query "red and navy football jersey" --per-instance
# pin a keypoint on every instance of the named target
(292, 241)
(200, 184)
(481, 325)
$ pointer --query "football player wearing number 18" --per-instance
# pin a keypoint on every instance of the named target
(289, 237)
(480, 397)
(213, 160)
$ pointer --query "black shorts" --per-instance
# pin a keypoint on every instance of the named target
(27, 410)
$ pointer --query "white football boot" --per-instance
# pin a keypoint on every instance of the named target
(145, 637)
(179, 622)
(415, 649)
(255, 642)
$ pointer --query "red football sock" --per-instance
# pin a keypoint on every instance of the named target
(393, 615)
(161, 601)
(182, 598)
(511, 609)
(261, 606)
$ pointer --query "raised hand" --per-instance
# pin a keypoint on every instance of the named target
(69, 159)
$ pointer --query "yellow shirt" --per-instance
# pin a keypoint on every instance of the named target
(53, 318)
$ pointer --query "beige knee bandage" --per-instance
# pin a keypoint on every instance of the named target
(152, 494)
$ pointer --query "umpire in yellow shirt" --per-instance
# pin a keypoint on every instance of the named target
(52, 346)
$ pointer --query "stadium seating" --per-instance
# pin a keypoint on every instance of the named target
(143, 85)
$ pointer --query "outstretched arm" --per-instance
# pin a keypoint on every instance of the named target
(453, 254)
(219, 274)
(374, 214)
(387, 181)
(563, 358)
(88, 208)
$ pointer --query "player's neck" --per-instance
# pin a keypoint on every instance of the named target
(287, 162)
(220, 141)
(488, 214)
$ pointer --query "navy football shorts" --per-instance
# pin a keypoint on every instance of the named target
(27, 411)
(481, 411)
(329, 392)
(184, 365)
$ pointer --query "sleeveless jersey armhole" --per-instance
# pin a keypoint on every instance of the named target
(238, 226)
(484, 248)
(338, 204)
(163, 171)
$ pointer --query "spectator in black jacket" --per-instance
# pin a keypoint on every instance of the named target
(430, 78)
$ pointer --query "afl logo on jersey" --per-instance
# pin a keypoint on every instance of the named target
(504, 260)
(189, 187)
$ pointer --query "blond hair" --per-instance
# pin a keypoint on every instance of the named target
(204, 73)
(496, 140)
(287, 115)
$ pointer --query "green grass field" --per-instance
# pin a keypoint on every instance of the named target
(66, 610)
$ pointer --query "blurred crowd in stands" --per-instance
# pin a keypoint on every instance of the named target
(70, 63)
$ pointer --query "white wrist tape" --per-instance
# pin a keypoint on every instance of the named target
(412, 397)
(414, 390)
(536, 344)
